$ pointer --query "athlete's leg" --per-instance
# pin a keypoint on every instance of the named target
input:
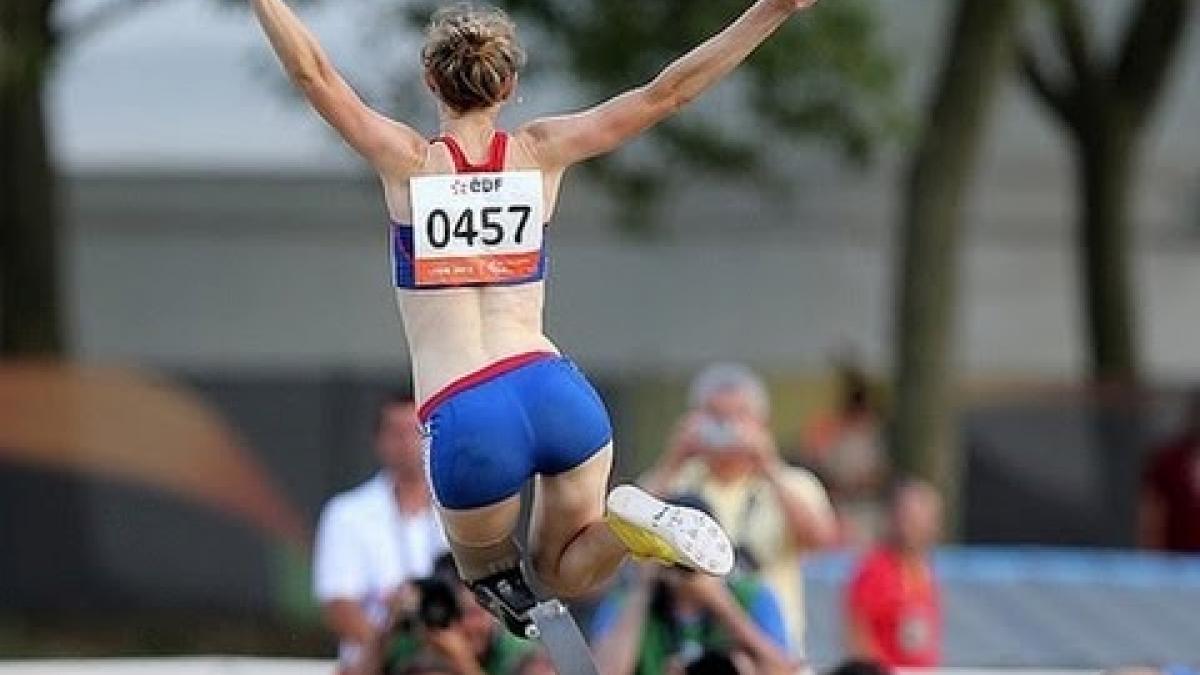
(580, 534)
(579, 537)
(481, 539)
(477, 464)
(489, 560)
(573, 549)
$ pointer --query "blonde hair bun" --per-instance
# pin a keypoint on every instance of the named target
(472, 55)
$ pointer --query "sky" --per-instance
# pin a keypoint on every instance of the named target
(193, 84)
(189, 84)
(186, 83)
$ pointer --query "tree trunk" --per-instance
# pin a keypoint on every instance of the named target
(978, 51)
(31, 322)
(1104, 158)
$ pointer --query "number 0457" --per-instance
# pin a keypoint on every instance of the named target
(489, 227)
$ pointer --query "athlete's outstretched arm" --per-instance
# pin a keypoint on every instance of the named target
(388, 145)
(564, 140)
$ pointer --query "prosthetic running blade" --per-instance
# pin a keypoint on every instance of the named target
(508, 597)
(558, 632)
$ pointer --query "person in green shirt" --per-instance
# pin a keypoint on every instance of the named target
(671, 617)
(438, 621)
(473, 644)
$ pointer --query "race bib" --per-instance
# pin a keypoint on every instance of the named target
(478, 228)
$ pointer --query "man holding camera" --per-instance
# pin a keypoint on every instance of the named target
(668, 620)
(724, 451)
(437, 620)
(373, 539)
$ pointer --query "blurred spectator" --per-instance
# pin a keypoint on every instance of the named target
(859, 667)
(893, 606)
(437, 619)
(375, 537)
(724, 451)
(535, 663)
(425, 668)
(670, 618)
(716, 663)
(845, 447)
(1169, 517)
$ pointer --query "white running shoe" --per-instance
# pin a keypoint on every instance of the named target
(668, 534)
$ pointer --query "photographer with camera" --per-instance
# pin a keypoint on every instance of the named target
(436, 621)
(374, 538)
(666, 620)
(775, 513)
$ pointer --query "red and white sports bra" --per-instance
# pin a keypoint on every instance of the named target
(403, 254)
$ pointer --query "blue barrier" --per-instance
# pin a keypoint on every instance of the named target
(1036, 564)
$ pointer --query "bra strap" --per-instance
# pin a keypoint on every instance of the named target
(495, 159)
(499, 148)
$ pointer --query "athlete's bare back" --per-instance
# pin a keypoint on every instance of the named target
(453, 332)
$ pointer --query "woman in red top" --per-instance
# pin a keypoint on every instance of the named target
(893, 608)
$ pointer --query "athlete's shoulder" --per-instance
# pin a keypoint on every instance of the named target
(536, 144)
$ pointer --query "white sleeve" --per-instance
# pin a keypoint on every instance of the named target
(440, 543)
(339, 567)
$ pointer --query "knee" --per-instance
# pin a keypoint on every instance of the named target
(477, 562)
(567, 589)
(546, 569)
(562, 586)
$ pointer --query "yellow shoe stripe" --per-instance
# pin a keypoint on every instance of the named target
(642, 543)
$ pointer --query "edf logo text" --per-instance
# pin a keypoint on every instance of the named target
(476, 185)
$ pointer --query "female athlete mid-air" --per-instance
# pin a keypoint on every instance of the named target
(468, 209)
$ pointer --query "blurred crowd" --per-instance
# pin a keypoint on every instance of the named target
(389, 591)
(1169, 510)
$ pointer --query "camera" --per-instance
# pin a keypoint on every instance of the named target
(434, 606)
(717, 434)
(437, 607)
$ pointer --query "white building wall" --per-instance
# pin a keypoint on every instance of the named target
(313, 297)
(188, 271)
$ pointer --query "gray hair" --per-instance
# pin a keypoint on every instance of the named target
(723, 377)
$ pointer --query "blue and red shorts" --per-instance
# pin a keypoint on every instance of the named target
(491, 431)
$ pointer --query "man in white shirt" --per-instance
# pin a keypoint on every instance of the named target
(724, 451)
(375, 537)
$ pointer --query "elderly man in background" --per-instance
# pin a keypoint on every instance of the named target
(723, 450)
(374, 538)
(893, 607)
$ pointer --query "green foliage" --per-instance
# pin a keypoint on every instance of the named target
(825, 77)
(26, 43)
